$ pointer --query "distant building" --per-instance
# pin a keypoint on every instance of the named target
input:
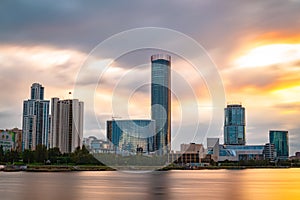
(241, 152)
(7, 140)
(234, 125)
(295, 157)
(270, 152)
(96, 145)
(185, 158)
(127, 136)
(66, 124)
(11, 139)
(161, 102)
(281, 141)
(189, 154)
(213, 148)
(193, 148)
(54, 120)
(35, 124)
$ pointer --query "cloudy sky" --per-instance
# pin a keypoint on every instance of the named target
(254, 45)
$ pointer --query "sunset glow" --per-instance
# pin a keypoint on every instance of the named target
(271, 54)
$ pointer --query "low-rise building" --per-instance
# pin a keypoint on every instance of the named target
(11, 139)
(96, 145)
(189, 154)
(241, 152)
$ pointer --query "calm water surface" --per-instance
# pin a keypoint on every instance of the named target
(258, 184)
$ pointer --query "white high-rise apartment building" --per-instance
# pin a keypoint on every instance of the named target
(66, 130)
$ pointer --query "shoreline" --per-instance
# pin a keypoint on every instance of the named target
(56, 168)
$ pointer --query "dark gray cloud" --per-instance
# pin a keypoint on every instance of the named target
(215, 24)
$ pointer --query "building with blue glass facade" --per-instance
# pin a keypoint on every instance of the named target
(131, 136)
(280, 140)
(234, 125)
(161, 102)
(35, 124)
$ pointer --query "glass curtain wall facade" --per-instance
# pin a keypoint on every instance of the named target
(161, 102)
(280, 140)
(234, 125)
(130, 135)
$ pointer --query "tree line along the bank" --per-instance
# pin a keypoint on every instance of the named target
(42, 155)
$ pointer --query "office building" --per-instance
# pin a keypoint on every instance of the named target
(270, 152)
(161, 102)
(281, 141)
(66, 124)
(234, 125)
(130, 136)
(35, 124)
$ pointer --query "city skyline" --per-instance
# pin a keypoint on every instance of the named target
(52, 51)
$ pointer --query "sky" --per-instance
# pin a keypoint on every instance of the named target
(254, 45)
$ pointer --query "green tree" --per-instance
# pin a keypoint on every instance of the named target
(28, 156)
(11, 156)
(1, 154)
(54, 154)
(40, 153)
(84, 150)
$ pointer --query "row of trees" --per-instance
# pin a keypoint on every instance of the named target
(261, 163)
(42, 155)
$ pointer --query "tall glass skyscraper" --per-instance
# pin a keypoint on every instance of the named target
(35, 124)
(161, 101)
(234, 125)
(280, 140)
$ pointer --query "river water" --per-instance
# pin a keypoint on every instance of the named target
(257, 184)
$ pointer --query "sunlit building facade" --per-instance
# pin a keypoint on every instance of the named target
(130, 136)
(234, 125)
(161, 102)
(280, 140)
